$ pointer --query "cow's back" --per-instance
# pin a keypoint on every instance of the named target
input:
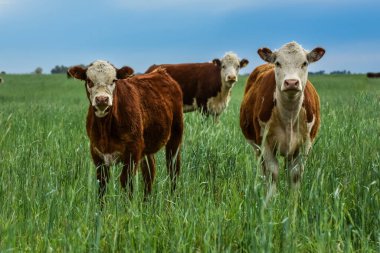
(160, 100)
(258, 103)
(198, 81)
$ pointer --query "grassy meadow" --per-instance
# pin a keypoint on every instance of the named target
(48, 187)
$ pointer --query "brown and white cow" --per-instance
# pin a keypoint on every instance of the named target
(130, 119)
(206, 86)
(1, 80)
(280, 111)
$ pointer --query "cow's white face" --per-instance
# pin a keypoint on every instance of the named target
(230, 66)
(291, 66)
(101, 80)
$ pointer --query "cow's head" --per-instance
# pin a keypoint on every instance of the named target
(100, 77)
(291, 62)
(230, 66)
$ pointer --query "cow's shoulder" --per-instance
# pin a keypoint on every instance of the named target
(262, 85)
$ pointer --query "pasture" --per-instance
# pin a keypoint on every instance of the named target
(48, 188)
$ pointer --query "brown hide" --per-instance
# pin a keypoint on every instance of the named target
(197, 80)
(258, 103)
(146, 115)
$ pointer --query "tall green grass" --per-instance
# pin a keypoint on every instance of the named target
(48, 188)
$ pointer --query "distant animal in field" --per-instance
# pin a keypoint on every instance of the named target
(280, 111)
(373, 75)
(129, 119)
(206, 86)
(1, 80)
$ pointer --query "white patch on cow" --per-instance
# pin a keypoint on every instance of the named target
(291, 63)
(230, 65)
(102, 75)
(108, 158)
(217, 104)
(190, 108)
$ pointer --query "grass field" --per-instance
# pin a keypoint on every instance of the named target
(48, 188)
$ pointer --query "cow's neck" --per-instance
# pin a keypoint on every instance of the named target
(225, 91)
(288, 107)
(104, 125)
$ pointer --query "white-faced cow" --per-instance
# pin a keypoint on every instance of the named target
(280, 111)
(130, 119)
(206, 86)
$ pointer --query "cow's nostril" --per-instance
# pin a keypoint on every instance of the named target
(101, 100)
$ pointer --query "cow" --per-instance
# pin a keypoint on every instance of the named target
(373, 75)
(206, 86)
(129, 119)
(280, 111)
(1, 80)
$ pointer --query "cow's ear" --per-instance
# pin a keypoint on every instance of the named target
(124, 72)
(243, 63)
(315, 55)
(77, 72)
(217, 62)
(266, 54)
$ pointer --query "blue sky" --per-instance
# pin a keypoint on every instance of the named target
(139, 33)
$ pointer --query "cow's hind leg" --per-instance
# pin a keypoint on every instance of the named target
(148, 169)
(173, 154)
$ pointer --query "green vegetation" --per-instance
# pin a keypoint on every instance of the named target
(48, 188)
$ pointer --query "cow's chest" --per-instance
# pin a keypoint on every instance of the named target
(287, 137)
(109, 150)
(216, 105)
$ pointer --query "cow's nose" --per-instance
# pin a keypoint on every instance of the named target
(231, 78)
(101, 100)
(291, 84)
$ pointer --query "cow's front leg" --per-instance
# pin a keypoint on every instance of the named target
(270, 169)
(129, 170)
(102, 174)
(295, 170)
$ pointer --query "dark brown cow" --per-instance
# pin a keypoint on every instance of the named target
(373, 75)
(206, 86)
(130, 119)
(280, 111)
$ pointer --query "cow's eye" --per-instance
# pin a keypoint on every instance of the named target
(278, 64)
(304, 64)
(90, 84)
(223, 66)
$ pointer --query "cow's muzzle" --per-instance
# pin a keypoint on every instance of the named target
(231, 79)
(292, 85)
(102, 105)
